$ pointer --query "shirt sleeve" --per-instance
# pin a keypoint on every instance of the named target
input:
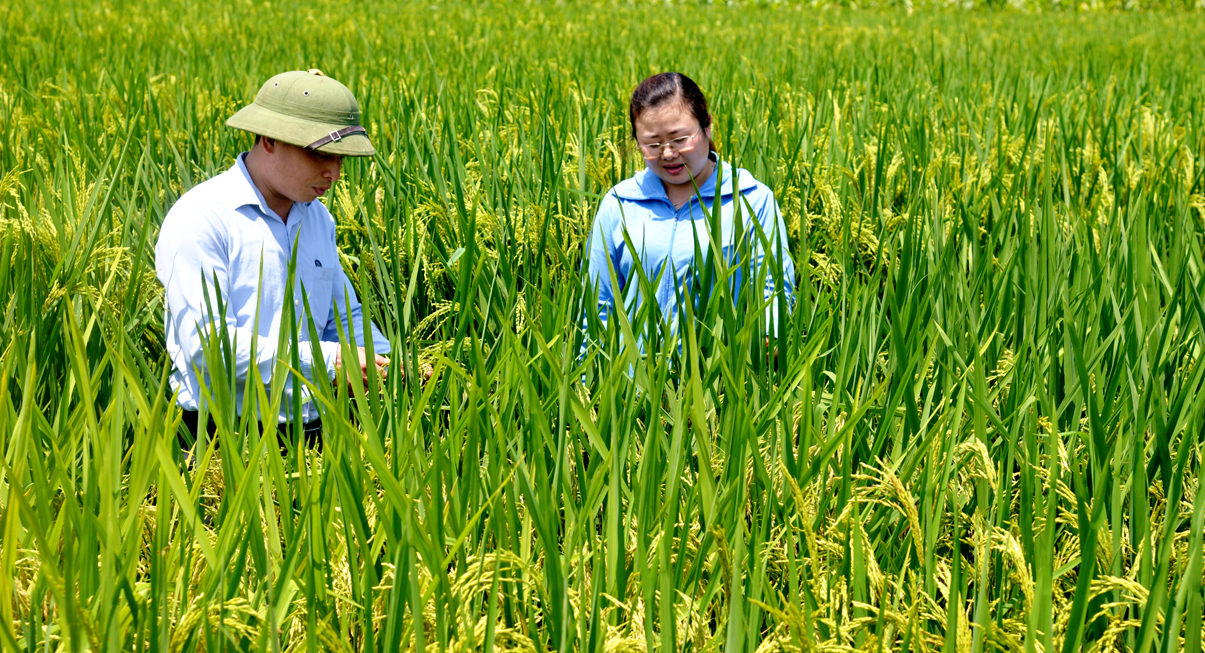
(347, 305)
(774, 228)
(192, 260)
(603, 256)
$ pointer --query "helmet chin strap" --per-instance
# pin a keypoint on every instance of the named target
(336, 136)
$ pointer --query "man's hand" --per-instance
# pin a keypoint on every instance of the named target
(425, 369)
(381, 362)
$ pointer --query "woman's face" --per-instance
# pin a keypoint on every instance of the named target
(674, 161)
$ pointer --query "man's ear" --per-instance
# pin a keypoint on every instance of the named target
(269, 144)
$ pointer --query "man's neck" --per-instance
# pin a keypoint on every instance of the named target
(257, 167)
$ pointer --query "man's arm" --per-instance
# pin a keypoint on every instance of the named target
(347, 305)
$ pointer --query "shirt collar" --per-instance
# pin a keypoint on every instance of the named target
(645, 185)
(244, 192)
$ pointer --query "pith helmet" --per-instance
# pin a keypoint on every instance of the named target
(308, 110)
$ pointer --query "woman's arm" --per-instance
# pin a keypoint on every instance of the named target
(604, 271)
(774, 230)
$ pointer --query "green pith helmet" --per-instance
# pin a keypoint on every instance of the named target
(308, 110)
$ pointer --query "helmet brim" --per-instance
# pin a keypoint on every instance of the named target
(295, 131)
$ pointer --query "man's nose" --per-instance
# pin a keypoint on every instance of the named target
(332, 169)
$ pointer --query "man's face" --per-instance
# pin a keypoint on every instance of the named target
(298, 174)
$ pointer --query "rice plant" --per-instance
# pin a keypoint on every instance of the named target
(979, 429)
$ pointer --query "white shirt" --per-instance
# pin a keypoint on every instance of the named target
(224, 228)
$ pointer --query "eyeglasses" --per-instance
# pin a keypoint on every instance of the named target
(654, 149)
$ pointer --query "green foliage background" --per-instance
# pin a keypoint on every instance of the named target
(980, 429)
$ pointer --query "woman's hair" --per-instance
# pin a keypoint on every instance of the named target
(659, 90)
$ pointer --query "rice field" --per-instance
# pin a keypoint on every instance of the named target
(980, 429)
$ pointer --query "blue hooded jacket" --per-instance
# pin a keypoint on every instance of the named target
(662, 241)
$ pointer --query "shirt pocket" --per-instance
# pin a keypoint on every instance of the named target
(318, 285)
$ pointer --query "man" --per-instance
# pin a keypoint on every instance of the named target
(234, 237)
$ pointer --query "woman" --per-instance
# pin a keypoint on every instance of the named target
(665, 218)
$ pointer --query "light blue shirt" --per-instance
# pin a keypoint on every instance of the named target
(224, 227)
(662, 235)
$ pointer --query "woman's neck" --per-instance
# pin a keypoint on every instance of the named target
(680, 194)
